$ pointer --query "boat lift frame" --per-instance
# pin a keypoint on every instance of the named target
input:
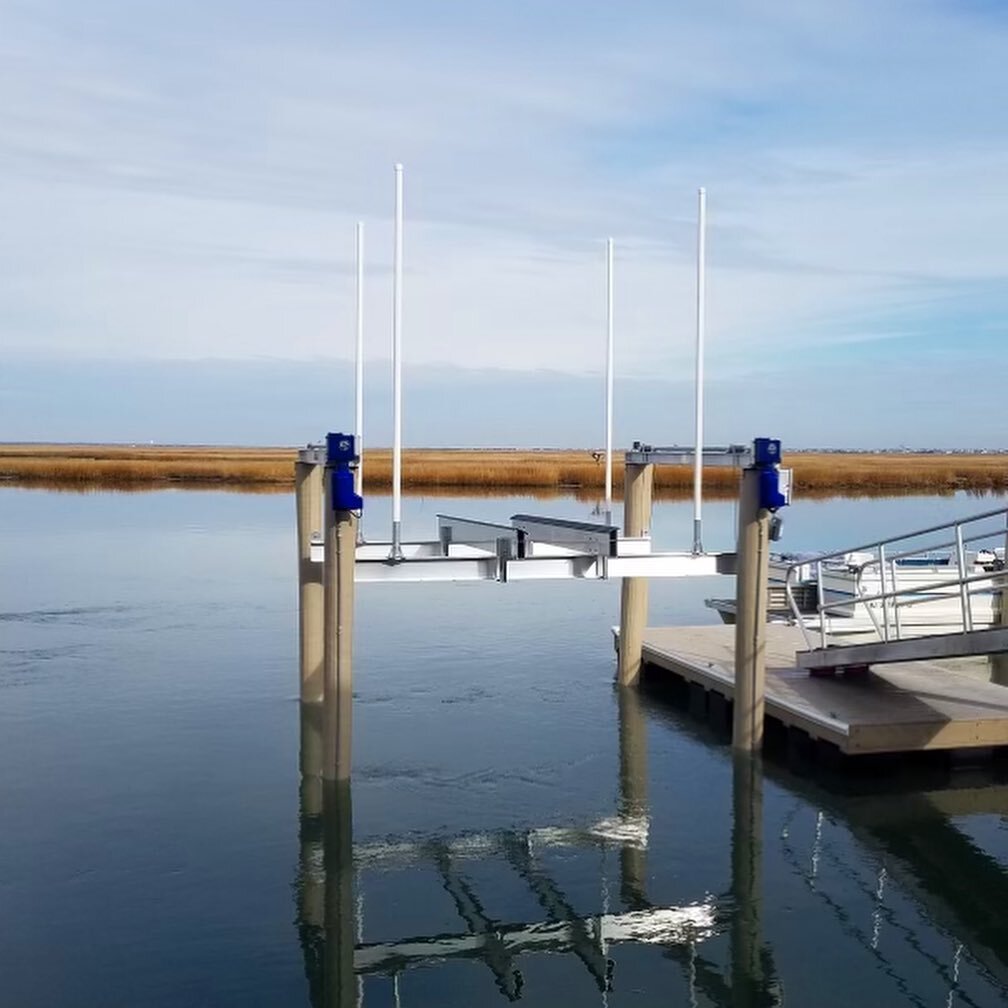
(536, 547)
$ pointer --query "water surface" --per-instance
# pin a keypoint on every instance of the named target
(158, 847)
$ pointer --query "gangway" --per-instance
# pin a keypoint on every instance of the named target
(953, 571)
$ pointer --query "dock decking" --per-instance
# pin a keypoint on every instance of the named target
(906, 707)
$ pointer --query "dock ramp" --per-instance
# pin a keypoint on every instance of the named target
(934, 593)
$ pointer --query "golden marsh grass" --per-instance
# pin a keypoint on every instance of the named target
(447, 471)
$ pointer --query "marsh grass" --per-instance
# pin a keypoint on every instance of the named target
(438, 472)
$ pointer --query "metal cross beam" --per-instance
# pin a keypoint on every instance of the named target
(539, 560)
(736, 455)
(586, 537)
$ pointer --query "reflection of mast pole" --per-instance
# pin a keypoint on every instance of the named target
(633, 799)
(340, 989)
(747, 881)
(496, 955)
(582, 941)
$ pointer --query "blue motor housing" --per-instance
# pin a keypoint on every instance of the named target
(344, 496)
(340, 448)
(770, 496)
(341, 454)
(766, 459)
(766, 452)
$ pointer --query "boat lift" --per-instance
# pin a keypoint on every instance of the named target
(537, 547)
(332, 558)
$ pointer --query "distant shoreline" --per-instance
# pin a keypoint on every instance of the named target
(442, 471)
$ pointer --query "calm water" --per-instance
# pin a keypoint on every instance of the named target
(518, 832)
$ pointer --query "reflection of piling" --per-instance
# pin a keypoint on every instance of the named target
(638, 485)
(751, 613)
(339, 985)
(338, 604)
(633, 798)
(748, 981)
(312, 880)
(311, 873)
(308, 497)
(311, 751)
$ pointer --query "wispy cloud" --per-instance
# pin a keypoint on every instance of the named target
(182, 178)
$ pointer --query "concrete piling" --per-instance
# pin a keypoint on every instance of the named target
(753, 551)
(637, 495)
(337, 632)
(308, 498)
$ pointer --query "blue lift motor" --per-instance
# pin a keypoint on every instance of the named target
(766, 458)
(341, 458)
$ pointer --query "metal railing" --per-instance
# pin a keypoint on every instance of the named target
(890, 576)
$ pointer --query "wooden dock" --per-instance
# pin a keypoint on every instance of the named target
(907, 707)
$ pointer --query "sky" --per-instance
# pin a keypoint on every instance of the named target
(181, 180)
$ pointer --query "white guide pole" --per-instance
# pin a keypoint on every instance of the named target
(396, 552)
(359, 359)
(609, 379)
(699, 379)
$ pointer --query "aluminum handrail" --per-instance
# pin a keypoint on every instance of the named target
(894, 595)
(908, 535)
(949, 544)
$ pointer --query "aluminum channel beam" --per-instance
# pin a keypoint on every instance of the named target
(577, 566)
(467, 530)
(424, 561)
(735, 455)
(587, 537)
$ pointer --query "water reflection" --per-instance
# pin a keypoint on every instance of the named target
(883, 848)
(888, 872)
(329, 912)
(751, 962)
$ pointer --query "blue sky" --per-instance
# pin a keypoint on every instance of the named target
(181, 181)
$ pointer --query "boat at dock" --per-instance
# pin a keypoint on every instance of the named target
(851, 586)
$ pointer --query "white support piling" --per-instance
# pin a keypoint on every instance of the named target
(701, 322)
(359, 360)
(396, 551)
(752, 551)
(637, 495)
(308, 500)
(609, 380)
(338, 569)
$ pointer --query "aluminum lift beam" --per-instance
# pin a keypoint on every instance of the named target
(586, 537)
(736, 455)
(517, 556)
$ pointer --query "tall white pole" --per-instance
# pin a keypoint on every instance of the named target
(359, 360)
(700, 327)
(609, 379)
(396, 552)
